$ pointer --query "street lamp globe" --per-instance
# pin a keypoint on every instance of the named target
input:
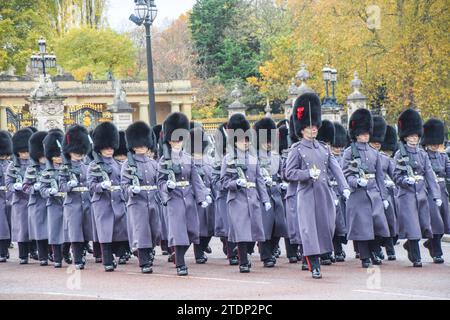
(153, 11)
(326, 72)
(42, 44)
(141, 9)
(333, 76)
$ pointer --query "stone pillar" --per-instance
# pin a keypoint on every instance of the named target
(236, 106)
(143, 113)
(356, 99)
(121, 110)
(186, 108)
(3, 118)
(175, 106)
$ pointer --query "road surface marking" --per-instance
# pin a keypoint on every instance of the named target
(401, 294)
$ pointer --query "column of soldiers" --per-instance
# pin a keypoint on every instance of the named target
(305, 180)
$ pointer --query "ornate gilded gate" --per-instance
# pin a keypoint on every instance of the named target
(18, 117)
(87, 114)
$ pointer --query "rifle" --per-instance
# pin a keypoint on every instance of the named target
(264, 165)
(404, 163)
(33, 172)
(17, 170)
(131, 171)
(99, 169)
(66, 168)
(48, 175)
(170, 168)
(355, 164)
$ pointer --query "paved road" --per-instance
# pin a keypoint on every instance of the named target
(218, 280)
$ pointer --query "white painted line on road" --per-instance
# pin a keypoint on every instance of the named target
(69, 295)
(200, 278)
(401, 294)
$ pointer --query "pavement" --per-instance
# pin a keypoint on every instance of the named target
(218, 280)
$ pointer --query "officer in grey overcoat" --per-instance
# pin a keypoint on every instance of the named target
(108, 201)
(73, 182)
(432, 140)
(139, 180)
(37, 205)
(6, 150)
(415, 179)
(14, 184)
(309, 164)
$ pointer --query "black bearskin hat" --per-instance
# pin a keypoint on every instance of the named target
(292, 134)
(237, 122)
(283, 122)
(304, 116)
(361, 121)
(263, 129)
(409, 123)
(175, 121)
(433, 132)
(105, 135)
(283, 141)
(220, 137)
(20, 140)
(198, 140)
(390, 139)
(6, 147)
(379, 129)
(33, 129)
(341, 139)
(76, 140)
(122, 150)
(139, 134)
(326, 132)
(36, 146)
(51, 148)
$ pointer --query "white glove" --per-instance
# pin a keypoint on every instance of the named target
(37, 186)
(336, 202)
(241, 182)
(267, 206)
(314, 173)
(18, 186)
(106, 184)
(268, 180)
(389, 183)
(53, 191)
(346, 193)
(362, 182)
(72, 184)
(410, 180)
(204, 204)
(135, 189)
(385, 204)
(209, 199)
(284, 185)
(171, 185)
(438, 202)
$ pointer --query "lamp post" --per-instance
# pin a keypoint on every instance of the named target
(326, 73)
(145, 13)
(333, 80)
(42, 60)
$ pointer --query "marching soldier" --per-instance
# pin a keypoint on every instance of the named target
(139, 181)
(14, 184)
(181, 189)
(198, 144)
(432, 139)
(57, 226)
(274, 220)
(242, 177)
(6, 150)
(108, 201)
(37, 205)
(376, 139)
(341, 141)
(413, 175)
(366, 220)
(309, 163)
(73, 182)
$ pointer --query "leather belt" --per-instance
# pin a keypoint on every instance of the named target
(3, 188)
(370, 176)
(332, 183)
(60, 194)
(417, 178)
(80, 189)
(182, 183)
(115, 188)
(149, 188)
(250, 185)
(440, 179)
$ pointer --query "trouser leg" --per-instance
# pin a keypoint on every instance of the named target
(291, 249)
(198, 251)
(57, 253)
(265, 250)
(364, 249)
(250, 247)
(107, 253)
(144, 256)
(355, 247)
(77, 250)
(389, 245)
(436, 247)
(164, 245)
(119, 248)
(180, 251)
(4, 246)
(42, 246)
(231, 253)
(313, 262)
(243, 252)
(414, 250)
(97, 250)
(66, 249)
(24, 250)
